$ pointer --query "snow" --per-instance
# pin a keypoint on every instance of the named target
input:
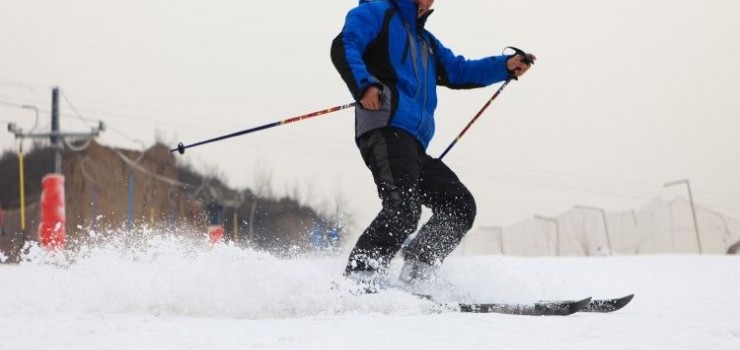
(161, 292)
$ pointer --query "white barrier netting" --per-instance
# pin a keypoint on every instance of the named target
(660, 227)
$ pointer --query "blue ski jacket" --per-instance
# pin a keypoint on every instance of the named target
(383, 43)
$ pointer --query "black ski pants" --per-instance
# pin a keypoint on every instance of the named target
(407, 178)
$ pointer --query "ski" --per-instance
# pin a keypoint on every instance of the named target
(540, 308)
(608, 305)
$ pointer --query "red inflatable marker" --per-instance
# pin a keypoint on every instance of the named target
(53, 217)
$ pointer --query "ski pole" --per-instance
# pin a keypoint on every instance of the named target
(475, 118)
(181, 148)
(529, 59)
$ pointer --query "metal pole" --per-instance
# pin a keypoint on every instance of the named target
(603, 219)
(693, 210)
(35, 109)
(21, 175)
(529, 60)
(477, 115)
(94, 209)
(130, 200)
(236, 225)
(637, 231)
(250, 240)
(21, 168)
(181, 147)
(56, 167)
(693, 214)
(557, 230)
(721, 216)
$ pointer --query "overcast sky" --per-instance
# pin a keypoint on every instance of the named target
(626, 95)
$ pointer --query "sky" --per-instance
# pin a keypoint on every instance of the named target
(625, 97)
(164, 293)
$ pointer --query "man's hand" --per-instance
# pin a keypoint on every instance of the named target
(519, 64)
(370, 99)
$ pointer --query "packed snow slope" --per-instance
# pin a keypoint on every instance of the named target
(160, 292)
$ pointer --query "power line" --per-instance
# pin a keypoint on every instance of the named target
(11, 104)
(17, 84)
(77, 113)
(116, 105)
(25, 99)
(614, 187)
(124, 135)
(136, 121)
(139, 121)
(87, 121)
(539, 178)
(55, 135)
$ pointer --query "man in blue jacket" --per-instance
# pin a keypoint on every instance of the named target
(392, 66)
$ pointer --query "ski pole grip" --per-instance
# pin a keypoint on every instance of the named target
(528, 57)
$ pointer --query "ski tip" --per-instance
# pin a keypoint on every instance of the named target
(623, 301)
(578, 305)
(608, 305)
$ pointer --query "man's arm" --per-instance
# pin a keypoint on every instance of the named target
(361, 27)
(457, 72)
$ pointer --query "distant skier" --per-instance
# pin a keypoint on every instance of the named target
(392, 66)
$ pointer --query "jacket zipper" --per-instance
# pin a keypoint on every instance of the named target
(425, 66)
(421, 83)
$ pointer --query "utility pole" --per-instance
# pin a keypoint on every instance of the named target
(22, 189)
(56, 147)
(55, 135)
(51, 233)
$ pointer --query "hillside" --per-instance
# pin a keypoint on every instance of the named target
(166, 196)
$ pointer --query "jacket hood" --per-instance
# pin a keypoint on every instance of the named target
(407, 8)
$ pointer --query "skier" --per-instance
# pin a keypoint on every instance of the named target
(392, 66)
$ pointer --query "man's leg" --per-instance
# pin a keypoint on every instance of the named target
(394, 158)
(453, 212)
